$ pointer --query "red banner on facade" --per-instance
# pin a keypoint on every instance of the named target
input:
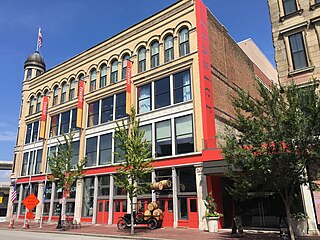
(43, 117)
(128, 88)
(80, 103)
(207, 105)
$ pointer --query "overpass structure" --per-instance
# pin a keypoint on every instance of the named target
(5, 165)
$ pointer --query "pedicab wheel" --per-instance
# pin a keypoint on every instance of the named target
(152, 223)
(139, 218)
(159, 224)
(122, 224)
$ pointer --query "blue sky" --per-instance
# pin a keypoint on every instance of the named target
(72, 26)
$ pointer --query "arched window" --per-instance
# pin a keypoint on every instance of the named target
(93, 79)
(184, 48)
(46, 93)
(124, 66)
(55, 95)
(103, 75)
(142, 60)
(39, 99)
(31, 107)
(114, 71)
(71, 89)
(154, 54)
(63, 92)
(168, 48)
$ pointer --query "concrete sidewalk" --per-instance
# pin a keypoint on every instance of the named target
(142, 232)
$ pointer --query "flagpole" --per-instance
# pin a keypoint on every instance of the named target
(38, 40)
(44, 194)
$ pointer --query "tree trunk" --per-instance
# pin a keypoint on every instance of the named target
(132, 217)
(63, 209)
(287, 206)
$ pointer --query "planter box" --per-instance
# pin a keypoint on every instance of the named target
(300, 228)
(212, 223)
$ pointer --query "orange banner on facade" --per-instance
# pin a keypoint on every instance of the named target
(80, 103)
(128, 88)
(43, 117)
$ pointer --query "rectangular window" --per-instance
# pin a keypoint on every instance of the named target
(144, 98)
(75, 152)
(117, 158)
(51, 153)
(105, 149)
(163, 139)
(34, 136)
(65, 120)
(289, 6)
(120, 105)
(29, 132)
(184, 135)
(147, 135)
(187, 179)
(74, 119)
(93, 114)
(24, 164)
(38, 161)
(54, 125)
(88, 197)
(91, 151)
(107, 109)
(182, 87)
(298, 52)
(162, 92)
(31, 162)
(104, 186)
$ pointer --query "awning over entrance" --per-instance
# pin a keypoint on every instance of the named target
(214, 167)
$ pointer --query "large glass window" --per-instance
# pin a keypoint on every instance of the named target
(154, 54)
(147, 135)
(105, 149)
(163, 139)
(65, 122)
(31, 107)
(38, 161)
(289, 6)
(120, 105)
(124, 66)
(168, 48)
(107, 109)
(35, 129)
(51, 153)
(144, 98)
(63, 92)
(103, 75)
(142, 60)
(93, 114)
(88, 197)
(71, 89)
(24, 167)
(39, 99)
(184, 48)
(28, 133)
(31, 162)
(117, 158)
(93, 80)
(104, 186)
(91, 151)
(298, 52)
(187, 179)
(114, 72)
(75, 152)
(182, 87)
(55, 95)
(54, 125)
(74, 119)
(184, 134)
(162, 92)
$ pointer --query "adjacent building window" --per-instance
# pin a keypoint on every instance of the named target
(103, 75)
(31, 107)
(93, 80)
(124, 66)
(182, 87)
(55, 95)
(144, 98)
(162, 92)
(105, 149)
(289, 6)
(120, 105)
(184, 48)
(298, 52)
(91, 151)
(93, 114)
(114, 72)
(107, 109)
(38, 106)
(88, 197)
(154, 54)
(168, 48)
(163, 139)
(71, 89)
(184, 134)
(142, 60)
(63, 92)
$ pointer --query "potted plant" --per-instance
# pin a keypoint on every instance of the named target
(211, 215)
(299, 223)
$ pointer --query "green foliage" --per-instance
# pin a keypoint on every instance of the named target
(134, 150)
(63, 172)
(211, 206)
(299, 216)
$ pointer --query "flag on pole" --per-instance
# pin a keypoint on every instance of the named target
(128, 88)
(14, 193)
(40, 38)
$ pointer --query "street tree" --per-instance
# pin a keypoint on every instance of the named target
(65, 172)
(273, 144)
(136, 160)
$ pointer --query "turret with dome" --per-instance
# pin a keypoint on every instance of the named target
(34, 65)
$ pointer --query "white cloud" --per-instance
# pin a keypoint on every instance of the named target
(5, 175)
(7, 136)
